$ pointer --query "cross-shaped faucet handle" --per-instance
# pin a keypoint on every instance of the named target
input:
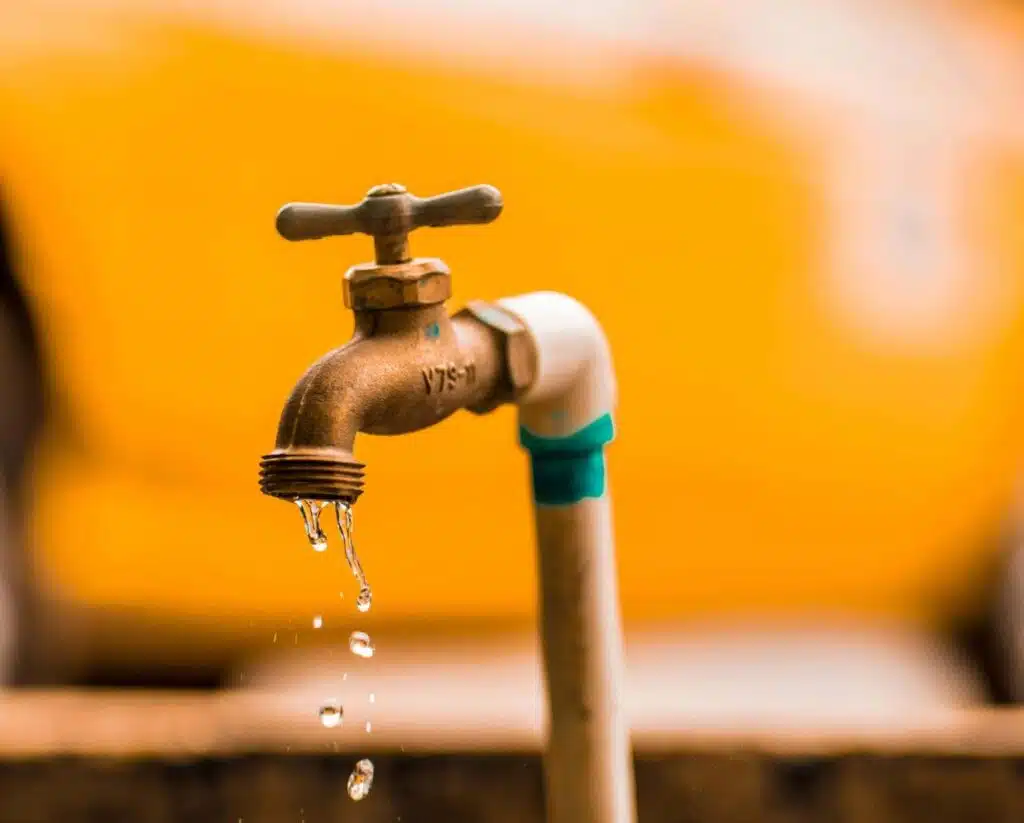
(388, 213)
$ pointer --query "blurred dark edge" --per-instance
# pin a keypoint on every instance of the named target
(22, 417)
(989, 629)
(682, 787)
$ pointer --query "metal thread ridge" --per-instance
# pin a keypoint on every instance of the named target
(291, 476)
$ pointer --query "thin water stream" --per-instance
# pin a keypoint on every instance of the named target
(331, 713)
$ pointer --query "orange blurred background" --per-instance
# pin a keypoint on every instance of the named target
(799, 227)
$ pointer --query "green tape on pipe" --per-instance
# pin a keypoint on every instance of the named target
(568, 469)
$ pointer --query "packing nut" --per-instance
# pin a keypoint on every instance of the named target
(517, 349)
(420, 282)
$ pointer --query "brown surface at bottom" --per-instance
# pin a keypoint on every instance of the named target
(81, 757)
(697, 787)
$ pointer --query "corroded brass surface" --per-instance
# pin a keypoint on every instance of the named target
(408, 365)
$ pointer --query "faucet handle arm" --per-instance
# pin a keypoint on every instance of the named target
(477, 204)
(312, 221)
(388, 213)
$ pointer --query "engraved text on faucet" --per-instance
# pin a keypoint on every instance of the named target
(447, 377)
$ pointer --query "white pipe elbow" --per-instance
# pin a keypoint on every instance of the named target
(565, 417)
(575, 382)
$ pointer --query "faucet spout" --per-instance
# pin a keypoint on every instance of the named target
(404, 369)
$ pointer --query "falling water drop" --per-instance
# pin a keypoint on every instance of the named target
(369, 727)
(361, 780)
(359, 644)
(318, 621)
(373, 697)
(343, 512)
(310, 510)
(331, 714)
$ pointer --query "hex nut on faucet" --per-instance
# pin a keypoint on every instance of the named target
(421, 282)
(519, 354)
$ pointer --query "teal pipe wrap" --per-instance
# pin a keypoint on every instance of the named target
(568, 469)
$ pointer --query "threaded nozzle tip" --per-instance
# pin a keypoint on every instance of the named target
(311, 475)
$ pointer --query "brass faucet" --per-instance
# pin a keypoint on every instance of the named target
(408, 365)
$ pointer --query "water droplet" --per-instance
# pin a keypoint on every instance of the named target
(361, 780)
(318, 621)
(369, 727)
(343, 512)
(373, 697)
(310, 510)
(275, 637)
(359, 644)
(345, 676)
(331, 714)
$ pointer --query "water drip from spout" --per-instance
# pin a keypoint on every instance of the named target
(310, 510)
(331, 714)
(343, 511)
(360, 645)
(361, 780)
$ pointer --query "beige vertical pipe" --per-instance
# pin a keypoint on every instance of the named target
(589, 767)
(588, 761)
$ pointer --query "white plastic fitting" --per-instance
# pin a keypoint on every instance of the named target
(575, 382)
(565, 420)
